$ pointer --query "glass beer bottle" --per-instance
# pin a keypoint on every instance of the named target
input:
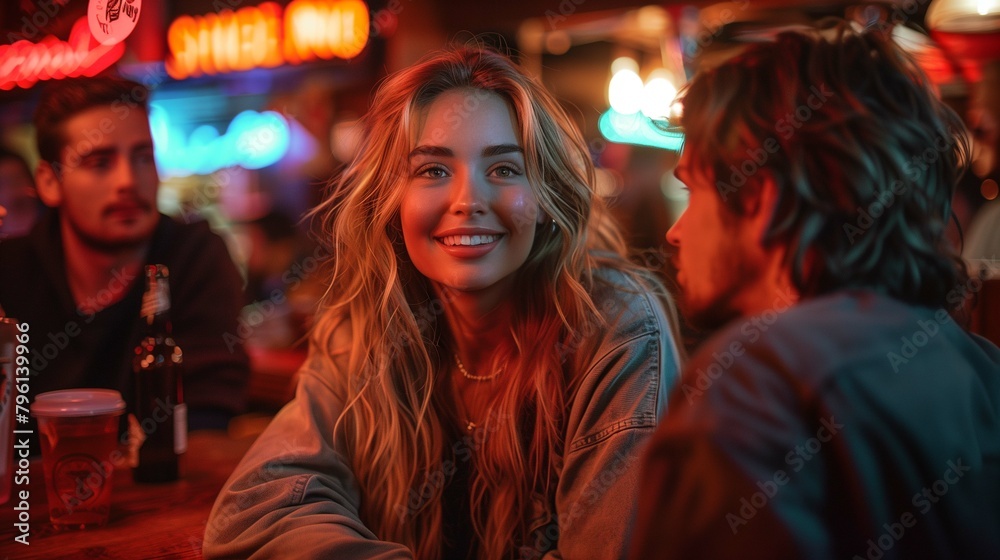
(160, 425)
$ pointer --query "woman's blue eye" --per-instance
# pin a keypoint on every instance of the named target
(506, 171)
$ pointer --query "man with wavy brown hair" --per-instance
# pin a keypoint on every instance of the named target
(841, 412)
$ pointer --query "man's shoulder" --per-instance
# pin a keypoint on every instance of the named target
(185, 240)
(15, 249)
(843, 333)
(849, 314)
(185, 230)
(18, 267)
(21, 261)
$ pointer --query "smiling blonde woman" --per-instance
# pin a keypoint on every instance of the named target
(487, 364)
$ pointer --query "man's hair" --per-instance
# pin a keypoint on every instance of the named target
(863, 154)
(62, 99)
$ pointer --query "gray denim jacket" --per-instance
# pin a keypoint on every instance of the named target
(293, 495)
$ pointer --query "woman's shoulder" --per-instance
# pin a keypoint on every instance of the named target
(330, 344)
(631, 300)
(629, 316)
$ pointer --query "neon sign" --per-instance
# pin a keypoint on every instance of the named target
(262, 37)
(24, 63)
(252, 140)
(637, 128)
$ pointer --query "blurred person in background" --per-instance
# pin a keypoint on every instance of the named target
(841, 412)
(17, 194)
(77, 277)
(274, 253)
(487, 363)
(982, 239)
(272, 246)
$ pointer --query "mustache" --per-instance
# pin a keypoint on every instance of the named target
(132, 204)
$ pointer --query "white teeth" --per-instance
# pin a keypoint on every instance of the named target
(469, 240)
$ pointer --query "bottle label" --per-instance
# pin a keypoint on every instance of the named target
(180, 428)
(162, 296)
(136, 437)
(156, 298)
(149, 305)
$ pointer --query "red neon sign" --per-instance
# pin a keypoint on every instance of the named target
(24, 63)
(261, 36)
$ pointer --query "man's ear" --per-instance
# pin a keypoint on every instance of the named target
(764, 206)
(48, 184)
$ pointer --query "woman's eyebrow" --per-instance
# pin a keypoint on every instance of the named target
(438, 151)
(501, 149)
(488, 151)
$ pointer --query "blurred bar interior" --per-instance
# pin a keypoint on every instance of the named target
(255, 104)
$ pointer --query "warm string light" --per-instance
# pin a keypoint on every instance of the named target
(635, 104)
(628, 94)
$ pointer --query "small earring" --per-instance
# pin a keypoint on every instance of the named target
(554, 226)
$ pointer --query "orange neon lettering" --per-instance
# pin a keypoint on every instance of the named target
(258, 36)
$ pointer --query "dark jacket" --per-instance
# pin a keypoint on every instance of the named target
(75, 347)
(849, 426)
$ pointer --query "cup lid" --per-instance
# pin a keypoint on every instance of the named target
(78, 402)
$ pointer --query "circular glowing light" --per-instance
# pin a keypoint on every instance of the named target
(624, 63)
(625, 92)
(658, 95)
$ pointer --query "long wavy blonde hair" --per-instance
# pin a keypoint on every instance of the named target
(395, 426)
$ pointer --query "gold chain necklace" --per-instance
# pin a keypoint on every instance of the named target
(467, 375)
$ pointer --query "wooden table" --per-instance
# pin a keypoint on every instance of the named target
(147, 520)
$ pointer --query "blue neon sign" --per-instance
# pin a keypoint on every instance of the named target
(637, 129)
(252, 140)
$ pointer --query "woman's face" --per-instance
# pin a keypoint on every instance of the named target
(468, 213)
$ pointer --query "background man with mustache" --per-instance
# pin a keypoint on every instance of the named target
(77, 278)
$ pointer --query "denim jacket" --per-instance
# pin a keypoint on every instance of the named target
(293, 495)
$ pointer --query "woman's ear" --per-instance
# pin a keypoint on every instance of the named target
(542, 216)
(48, 185)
